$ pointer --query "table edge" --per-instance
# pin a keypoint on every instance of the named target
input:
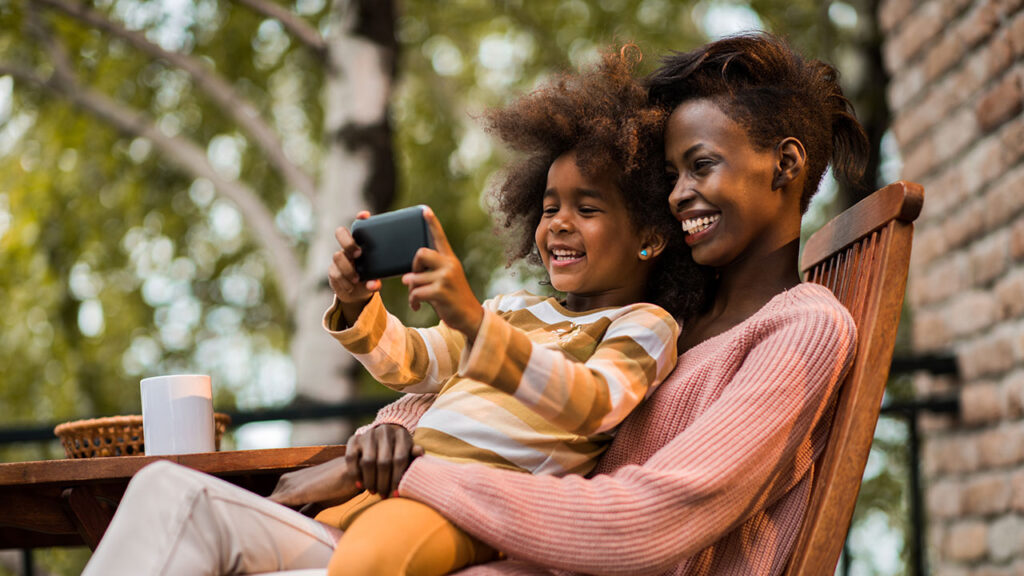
(117, 467)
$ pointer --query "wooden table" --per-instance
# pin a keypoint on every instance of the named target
(70, 502)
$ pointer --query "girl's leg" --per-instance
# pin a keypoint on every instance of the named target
(402, 537)
(342, 515)
(175, 520)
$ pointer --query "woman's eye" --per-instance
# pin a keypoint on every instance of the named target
(703, 165)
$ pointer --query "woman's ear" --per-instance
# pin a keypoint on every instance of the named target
(654, 244)
(790, 163)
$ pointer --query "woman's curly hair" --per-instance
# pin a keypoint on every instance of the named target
(603, 114)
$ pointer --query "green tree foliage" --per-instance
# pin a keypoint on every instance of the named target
(115, 264)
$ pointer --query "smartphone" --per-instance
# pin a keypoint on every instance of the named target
(389, 242)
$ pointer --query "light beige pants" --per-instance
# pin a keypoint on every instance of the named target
(176, 521)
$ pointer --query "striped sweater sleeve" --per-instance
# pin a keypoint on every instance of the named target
(416, 360)
(644, 519)
(637, 352)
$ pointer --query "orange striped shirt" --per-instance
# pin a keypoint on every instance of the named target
(542, 388)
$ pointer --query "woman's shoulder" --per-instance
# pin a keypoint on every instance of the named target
(810, 308)
(806, 318)
(807, 298)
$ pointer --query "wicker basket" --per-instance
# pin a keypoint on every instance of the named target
(115, 436)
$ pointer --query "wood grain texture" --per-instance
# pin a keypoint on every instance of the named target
(863, 256)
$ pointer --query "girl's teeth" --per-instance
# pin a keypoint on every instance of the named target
(566, 254)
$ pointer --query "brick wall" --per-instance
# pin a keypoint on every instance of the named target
(957, 91)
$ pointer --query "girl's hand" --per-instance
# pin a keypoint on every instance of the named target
(379, 457)
(328, 484)
(350, 291)
(438, 279)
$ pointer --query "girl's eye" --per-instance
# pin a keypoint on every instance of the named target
(548, 210)
(588, 210)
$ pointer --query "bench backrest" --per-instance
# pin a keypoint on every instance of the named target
(863, 256)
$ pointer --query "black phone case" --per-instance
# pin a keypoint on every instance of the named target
(389, 242)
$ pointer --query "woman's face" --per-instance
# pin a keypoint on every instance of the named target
(722, 187)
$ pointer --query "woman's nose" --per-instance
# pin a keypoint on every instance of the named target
(681, 194)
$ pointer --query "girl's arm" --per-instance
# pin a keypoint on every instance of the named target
(636, 354)
(743, 453)
(405, 359)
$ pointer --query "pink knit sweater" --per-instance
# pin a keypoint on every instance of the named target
(710, 476)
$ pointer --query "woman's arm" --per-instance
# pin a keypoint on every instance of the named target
(637, 352)
(738, 457)
(378, 470)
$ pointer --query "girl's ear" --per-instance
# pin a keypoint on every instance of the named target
(792, 157)
(654, 244)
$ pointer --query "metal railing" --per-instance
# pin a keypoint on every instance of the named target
(909, 411)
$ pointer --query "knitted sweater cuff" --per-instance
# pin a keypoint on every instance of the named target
(430, 480)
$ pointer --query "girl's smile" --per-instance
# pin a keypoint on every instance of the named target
(565, 256)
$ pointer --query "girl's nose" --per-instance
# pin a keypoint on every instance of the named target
(561, 223)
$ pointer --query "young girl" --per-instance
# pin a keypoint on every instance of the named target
(527, 383)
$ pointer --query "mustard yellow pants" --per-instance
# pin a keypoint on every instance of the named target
(398, 537)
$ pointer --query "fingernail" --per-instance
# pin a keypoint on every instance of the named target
(395, 494)
(359, 484)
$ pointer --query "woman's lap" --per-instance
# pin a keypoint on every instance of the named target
(174, 518)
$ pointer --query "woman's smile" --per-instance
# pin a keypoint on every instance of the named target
(699, 227)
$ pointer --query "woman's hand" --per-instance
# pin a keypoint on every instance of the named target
(379, 457)
(328, 484)
(343, 278)
(438, 279)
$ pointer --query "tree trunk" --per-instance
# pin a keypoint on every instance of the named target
(358, 174)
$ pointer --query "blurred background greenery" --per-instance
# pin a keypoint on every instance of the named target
(117, 263)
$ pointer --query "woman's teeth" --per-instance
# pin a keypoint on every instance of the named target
(566, 254)
(694, 225)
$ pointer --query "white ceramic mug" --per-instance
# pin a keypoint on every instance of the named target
(177, 414)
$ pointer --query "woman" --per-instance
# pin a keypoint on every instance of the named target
(712, 475)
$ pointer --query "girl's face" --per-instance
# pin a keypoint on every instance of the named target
(586, 241)
(722, 190)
